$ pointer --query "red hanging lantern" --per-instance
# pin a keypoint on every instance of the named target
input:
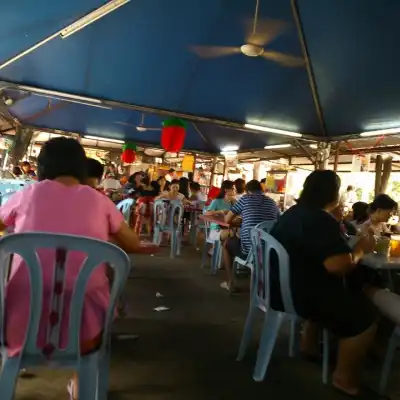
(173, 135)
(128, 155)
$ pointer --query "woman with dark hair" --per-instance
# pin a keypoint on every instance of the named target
(163, 184)
(134, 183)
(319, 259)
(220, 206)
(240, 186)
(17, 171)
(380, 211)
(61, 203)
(184, 186)
(144, 205)
(360, 213)
(174, 193)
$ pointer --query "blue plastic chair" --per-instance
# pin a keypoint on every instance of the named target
(238, 262)
(93, 368)
(10, 186)
(168, 219)
(125, 206)
(262, 244)
(216, 258)
(394, 343)
(196, 224)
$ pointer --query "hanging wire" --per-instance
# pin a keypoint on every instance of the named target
(256, 17)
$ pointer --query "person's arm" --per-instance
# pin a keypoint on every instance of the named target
(162, 196)
(127, 239)
(9, 211)
(212, 209)
(185, 201)
(236, 210)
(328, 243)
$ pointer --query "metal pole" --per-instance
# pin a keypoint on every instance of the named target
(309, 68)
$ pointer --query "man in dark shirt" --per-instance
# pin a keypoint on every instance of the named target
(319, 260)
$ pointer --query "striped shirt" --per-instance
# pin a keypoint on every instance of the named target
(254, 208)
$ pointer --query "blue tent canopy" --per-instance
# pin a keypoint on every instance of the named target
(142, 55)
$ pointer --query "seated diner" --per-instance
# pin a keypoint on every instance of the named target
(62, 166)
(253, 208)
(320, 259)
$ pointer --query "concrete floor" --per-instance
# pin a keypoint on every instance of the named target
(189, 351)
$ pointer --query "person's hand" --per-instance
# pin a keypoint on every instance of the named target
(367, 242)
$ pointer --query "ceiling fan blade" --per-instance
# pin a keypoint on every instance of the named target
(126, 124)
(152, 129)
(266, 31)
(285, 60)
(214, 51)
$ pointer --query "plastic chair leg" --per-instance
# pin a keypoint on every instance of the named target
(88, 374)
(325, 356)
(294, 336)
(216, 257)
(204, 255)
(387, 363)
(103, 377)
(8, 378)
(178, 243)
(247, 332)
(272, 324)
(156, 237)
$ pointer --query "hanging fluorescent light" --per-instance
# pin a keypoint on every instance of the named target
(272, 130)
(92, 17)
(313, 146)
(278, 146)
(103, 139)
(62, 95)
(230, 148)
(379, 132)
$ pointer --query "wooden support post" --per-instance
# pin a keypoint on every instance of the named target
(213, 170)
(323, 154)
(337, 154)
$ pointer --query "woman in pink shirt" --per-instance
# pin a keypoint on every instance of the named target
(61, 203)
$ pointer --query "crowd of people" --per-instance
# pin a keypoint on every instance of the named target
(330, 286)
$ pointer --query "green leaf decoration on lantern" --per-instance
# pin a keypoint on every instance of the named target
(129, 146)
(174, 122)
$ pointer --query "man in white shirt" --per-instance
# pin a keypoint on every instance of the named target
(110, 183)
(349, 197)
(171, 175)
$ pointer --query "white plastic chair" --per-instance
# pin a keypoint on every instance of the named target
(262, 244)
(216, 258)
(238, 262)
(125, 206)
(168, 219)
(92, 368)
(394, 343)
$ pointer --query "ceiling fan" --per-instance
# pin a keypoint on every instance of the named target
(141, 127)
(259, 35)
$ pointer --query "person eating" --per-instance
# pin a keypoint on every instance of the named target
(320, 258)
(254, 207)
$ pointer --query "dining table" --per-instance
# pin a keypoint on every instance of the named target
(217, 219)
(389, 265)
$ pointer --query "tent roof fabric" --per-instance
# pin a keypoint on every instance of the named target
(140, 55)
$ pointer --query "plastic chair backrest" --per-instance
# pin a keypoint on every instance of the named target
(175, 215)
(11, 185)
(262, 246)
(125, 206)
(97, 252)
(160, 213)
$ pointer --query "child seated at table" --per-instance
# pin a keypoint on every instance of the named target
(219, 207)
(61, 203)
(173, 193)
